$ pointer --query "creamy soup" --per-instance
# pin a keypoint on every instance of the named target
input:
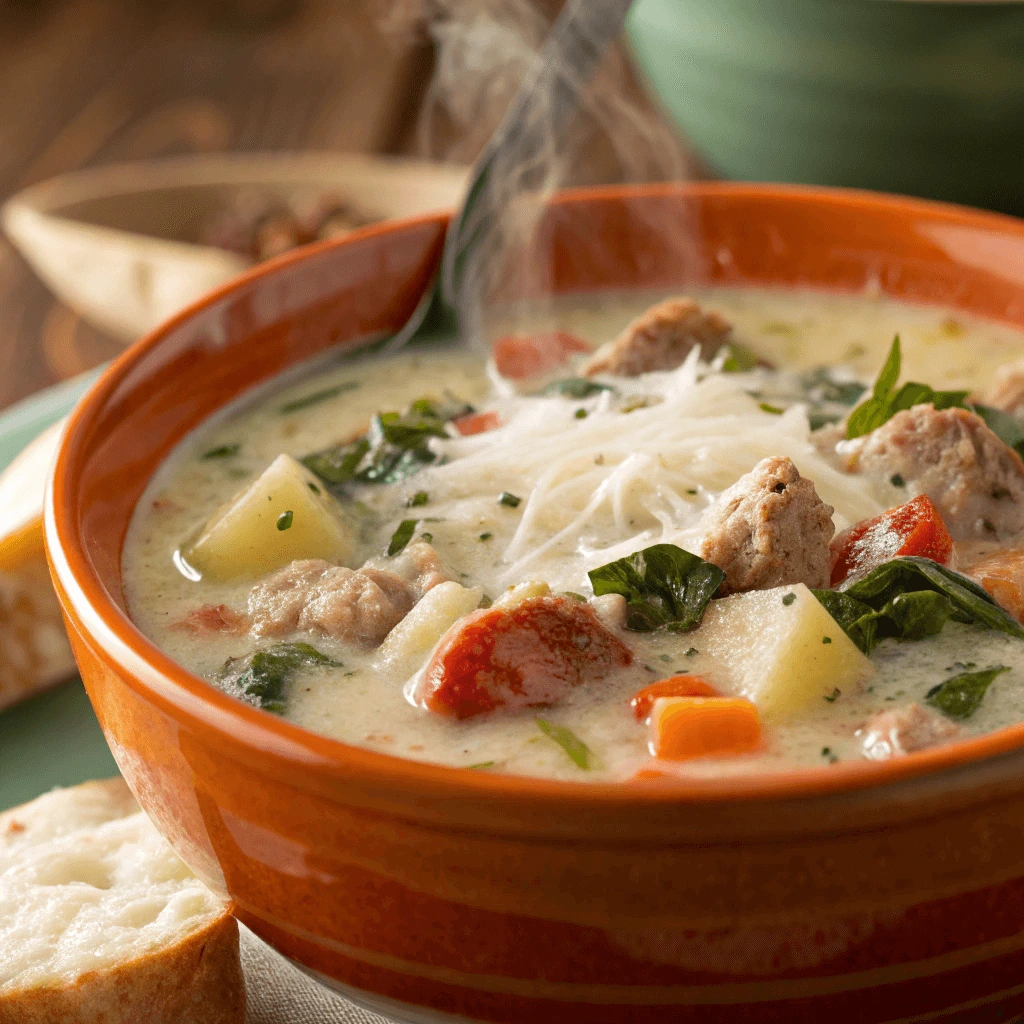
(734, 539)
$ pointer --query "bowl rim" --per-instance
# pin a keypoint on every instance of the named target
(180, 692)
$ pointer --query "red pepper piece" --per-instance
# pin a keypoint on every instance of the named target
(477, 423)
(915, 528)
(525, 656)
(520, 357)
(674, 686)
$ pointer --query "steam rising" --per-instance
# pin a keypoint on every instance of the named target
(484, 49)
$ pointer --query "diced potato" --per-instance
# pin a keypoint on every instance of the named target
(407, 645)
(786, 654)
(522, 592)
(283, 515)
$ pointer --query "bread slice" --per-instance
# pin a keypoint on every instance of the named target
(101, 923)
(34, 649)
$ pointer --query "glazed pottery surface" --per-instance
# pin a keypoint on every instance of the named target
(863, 892)
(921, 97)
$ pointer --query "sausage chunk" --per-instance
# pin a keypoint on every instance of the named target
(661, 339)
(769, 529)
(1007, 391)
(526, 655)
(353, 605)
(975, 480)
(904, 730)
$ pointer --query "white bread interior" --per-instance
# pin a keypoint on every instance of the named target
(100, 921)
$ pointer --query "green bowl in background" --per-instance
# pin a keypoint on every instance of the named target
(924, 98)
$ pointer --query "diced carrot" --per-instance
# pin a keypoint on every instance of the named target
(212, 618)
(682, 728)
(477, 423)
(1002, 575)
(674, 686)
(915, 528)
(520, 357)
(527, 655)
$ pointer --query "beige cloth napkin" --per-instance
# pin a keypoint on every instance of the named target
(278, 993)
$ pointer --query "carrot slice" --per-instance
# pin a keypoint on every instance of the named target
(477, 423)
(674, 686)
(520, 357)
(682, 728)
(1001, 573)
(916, 528)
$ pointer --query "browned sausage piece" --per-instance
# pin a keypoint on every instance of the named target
(359, 606)
(1007, 391)
(660, 339)
(769, 529)
(975, 480)
(904, 730)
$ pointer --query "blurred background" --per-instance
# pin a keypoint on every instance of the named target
(922, 97)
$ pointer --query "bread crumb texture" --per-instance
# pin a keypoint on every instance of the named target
(101, 922)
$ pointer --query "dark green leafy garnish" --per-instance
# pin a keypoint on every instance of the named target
(960, 696)
(663, 586)
(402, 536)
(509, 500)
(395, 447)
(911, 598)
(886, 399)
(419, 498)
(576, 387)
(261, 678)
(1005, 426)
(318, 396)
(739, 359)
(578, 751)
(480, 766)
(284, 520)
(222, 451)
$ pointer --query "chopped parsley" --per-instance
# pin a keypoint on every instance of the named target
(419, 498)
(509, 500)
(284, 520)
(222, 451)
(401, 537)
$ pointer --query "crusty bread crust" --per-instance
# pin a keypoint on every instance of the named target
(198, 981)
(194, 980)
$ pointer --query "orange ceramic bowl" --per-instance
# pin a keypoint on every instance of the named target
(861, 892)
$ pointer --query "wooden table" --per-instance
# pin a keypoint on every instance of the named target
(98, 81)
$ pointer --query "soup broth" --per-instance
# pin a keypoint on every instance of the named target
(554, 475)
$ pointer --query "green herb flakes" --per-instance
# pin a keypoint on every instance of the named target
(768, 407)
(480, 766)
(961, 695)
(401, 537)
(222, 451)
(318, 396)
(576, 387)
(690, 652)
(826, 639)
(788, 599)
(284, 520)
(418, 499)
(428, 537)
(834, 695)
(579, 753)
(897, 481)
(509, 500)
(486, 536)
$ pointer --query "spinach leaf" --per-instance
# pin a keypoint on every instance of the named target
(260, 678)
(911, 598)
(663, 586)
(401, 537)
(395, 447)
(960, 696)
(576, 387)
(1005, 426)
(886, 400)
(577, 750)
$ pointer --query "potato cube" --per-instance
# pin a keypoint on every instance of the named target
(780, 649)
(283, 515)
(408, 644)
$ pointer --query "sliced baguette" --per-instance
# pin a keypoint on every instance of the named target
(101, 923)
(34, 650)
